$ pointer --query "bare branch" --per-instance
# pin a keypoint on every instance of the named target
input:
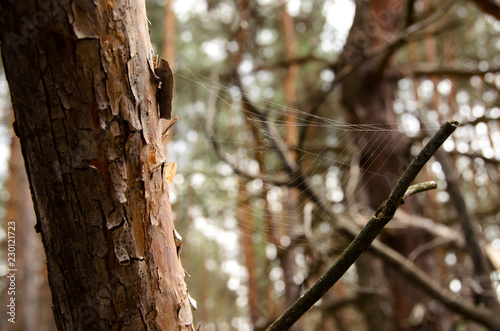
(410, 9)
(439, 241)
(288, 62)
(452, 301)
(438, 230)
(481, 119)
(425, 70)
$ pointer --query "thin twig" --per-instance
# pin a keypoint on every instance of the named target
(482, 269)
(426, 70)
(420, 187)
(172, 122)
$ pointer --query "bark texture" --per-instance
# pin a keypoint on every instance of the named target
(84, 100)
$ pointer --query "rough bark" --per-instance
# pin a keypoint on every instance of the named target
(86, 115)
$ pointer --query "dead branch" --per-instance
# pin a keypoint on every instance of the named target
(209, 131)
(421, 187)
(288, 62)
(426, 70)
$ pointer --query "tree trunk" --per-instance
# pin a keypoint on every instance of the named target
(31, 280)
(368, 98)
(291, 204)
(86, 114)
(245, 218)
(169, 29)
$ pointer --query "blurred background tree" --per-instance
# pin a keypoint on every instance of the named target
(355, 89)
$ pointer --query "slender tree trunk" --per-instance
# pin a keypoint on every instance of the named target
(168, 44)
(31, 280)
(84, 99)
(244, 215)
(291, 205)
(169, 33)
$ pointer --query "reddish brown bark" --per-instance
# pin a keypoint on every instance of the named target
(292, 202)
(86, 115)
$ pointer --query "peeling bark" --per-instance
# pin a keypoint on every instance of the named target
(84, 100)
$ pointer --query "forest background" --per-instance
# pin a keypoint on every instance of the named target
(352, 104)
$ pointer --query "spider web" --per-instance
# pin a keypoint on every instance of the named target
(335, 175)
